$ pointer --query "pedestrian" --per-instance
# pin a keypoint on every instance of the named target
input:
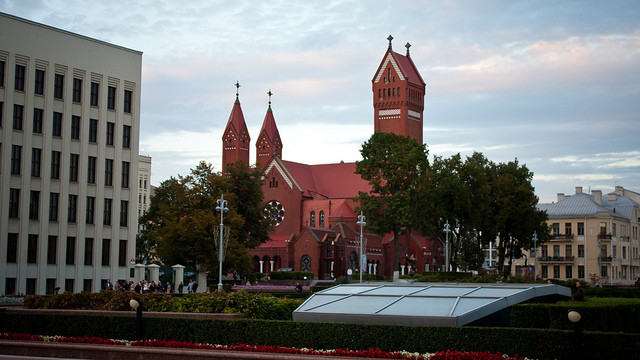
(138, 288)
(298, 287)
(168, 288)
(190, 287)
(195, 286)
(180, 287)
(349, 272)
(109, 285)
(578, 295)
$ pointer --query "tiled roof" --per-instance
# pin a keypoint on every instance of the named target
(331, 181)
(408, 69)
(269, 126)
(344, 211)
(584, 205)
(276, 241)
(236, 119)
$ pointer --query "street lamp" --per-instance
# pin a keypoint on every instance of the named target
(447, 230)
(222, 207)
(137, 306)
(535, 250)
(362, 223)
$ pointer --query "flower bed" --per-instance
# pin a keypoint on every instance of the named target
(370, 353)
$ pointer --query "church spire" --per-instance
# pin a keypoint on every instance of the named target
(235, 139)
(269, 143)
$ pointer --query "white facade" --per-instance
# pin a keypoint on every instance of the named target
(69, 130)
(144, 184)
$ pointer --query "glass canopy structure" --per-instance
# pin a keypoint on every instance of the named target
(418, 304)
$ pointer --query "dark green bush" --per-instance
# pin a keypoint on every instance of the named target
(291, 275)
(533, 343)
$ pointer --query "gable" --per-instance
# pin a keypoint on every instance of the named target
(388, 59)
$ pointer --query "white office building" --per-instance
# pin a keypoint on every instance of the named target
(69, 130)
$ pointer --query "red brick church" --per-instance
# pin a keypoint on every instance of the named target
(313, 205)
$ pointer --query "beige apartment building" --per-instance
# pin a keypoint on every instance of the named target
(69, 130)
(594, 238)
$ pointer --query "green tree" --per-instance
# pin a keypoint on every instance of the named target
(515, 212)
(394, 166)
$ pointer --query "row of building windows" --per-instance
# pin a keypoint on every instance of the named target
(56, 130)
(313, 219)
(58, 88)
(568, 252)
(70, 250)
(72, 209)
(74, 166)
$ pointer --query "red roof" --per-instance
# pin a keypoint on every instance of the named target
(236, 119)
(269, 126)
(408, 69)
(332, 181)
(277, 241)
(344, 211)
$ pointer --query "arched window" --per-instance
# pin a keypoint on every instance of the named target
(398, 91)
(312, 222)
(305, 263)
(379, 93)
(321, 218)
(394, 92)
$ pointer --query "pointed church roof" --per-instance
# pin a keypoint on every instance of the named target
(344, 211)
(236, 119)
(402, 64)
(269, 126)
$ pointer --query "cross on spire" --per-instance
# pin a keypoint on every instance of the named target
(269, 93)
(237, 84)
(390, 38)
(407, 46)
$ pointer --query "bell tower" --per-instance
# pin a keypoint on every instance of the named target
(235, 139)
(398, 95)
(269, 143)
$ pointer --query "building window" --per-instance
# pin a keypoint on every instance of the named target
(86, 284)
(88, 251)
(16, 157)
(603, 228)
(545, 271)
(580, 228)
(110, 132)
(75, 127)
(18, 111)
(58, 86)
(556, 271)
(10, 286)
(568, 251)
(95, 87)
(71, 250)
(603, 271)
(555, 229)
(93, 130)
(568, 272)
(52, 250)
(53, 206)
(32, 249)
(68, 285)
(580, 271)
(39, 84)
(614, 251)
(73, 208)
(19, 83)
(321, 218)
(2, 64)
(107, 212)
(106, 248)
(556, 250)
(14, 203)
(12, 247)
(127, 101)
(36, 159)
(124, 212)
(313, 219)
(1, 112)
(125, 174)
(567, 228)
(111, 98)
(603, 251)
(34, 205)
(91, 170)
(37, 120)
(73, 167)
(57, 124)
(122, 253)
(50, 286)
(55, 164)
(77, 90)
(108, 172)
(91, 204)
(31, 286)
(305, 263)
(543, 250)
(624, 252)
(126, 136)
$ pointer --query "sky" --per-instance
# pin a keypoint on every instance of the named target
(555, 84)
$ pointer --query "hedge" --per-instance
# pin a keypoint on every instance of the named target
(532, 343)
(291, 275)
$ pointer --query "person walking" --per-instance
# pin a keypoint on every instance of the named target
(180, 287)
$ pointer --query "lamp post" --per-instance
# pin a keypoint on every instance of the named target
(137, 306)
(535, 250)
(447, 230)
(362, 223)
(574, 316)
(222, 207)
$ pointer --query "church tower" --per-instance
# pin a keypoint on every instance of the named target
(398, 95)
(235, 139)
(269, 143)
